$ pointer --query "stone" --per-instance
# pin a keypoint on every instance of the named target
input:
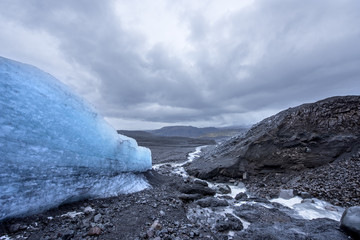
(14, 228)
(97, 217)
(319, 229)
(244, 176)
(224, 189)
(241, 196)
(156, 225)
(88, 210)
(308, 200)
(212, 202)
(68, 235)
(305, 195)
(230, 222)
(286, 193)
(197, 189)
(94, 231)
(189, 197)
(150, 233)
(260, 214)
(202, 182)
(350, 221)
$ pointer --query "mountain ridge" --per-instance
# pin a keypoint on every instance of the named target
(195, 132)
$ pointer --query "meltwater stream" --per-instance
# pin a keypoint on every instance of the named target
(301, 208)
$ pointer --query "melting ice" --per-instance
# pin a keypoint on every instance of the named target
(55, 148)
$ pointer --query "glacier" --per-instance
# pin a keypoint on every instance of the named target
(54, 147)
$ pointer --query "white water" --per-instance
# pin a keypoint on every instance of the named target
(312, 208)
(307, 209)
(178, 168)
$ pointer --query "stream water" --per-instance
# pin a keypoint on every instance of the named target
(301, 208)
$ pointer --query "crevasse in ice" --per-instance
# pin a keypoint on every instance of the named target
(55, 148)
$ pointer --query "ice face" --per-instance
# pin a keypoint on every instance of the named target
(54, 147)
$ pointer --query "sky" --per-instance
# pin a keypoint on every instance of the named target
(152, 63)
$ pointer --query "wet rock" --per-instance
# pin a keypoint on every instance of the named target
(240, 184)
(94, 231)
(257, 214)
(257, 199)
(212, 202)
(202, 182)
(225, 197)
(308, 200)
(350, 221)
(305, 195)
(224, 189)
(331, 208)
(197, 189)
(190, 197)
(241, 196)
(229, 222)
(300, 229)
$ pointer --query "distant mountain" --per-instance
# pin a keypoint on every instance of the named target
(149, 140)
(194, 132)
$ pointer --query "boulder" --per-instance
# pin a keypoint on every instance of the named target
(241, 196)
(350, 221)
(275, 223)
(223, 189)
(229, 222)
(197, 189)
(286, 193)
(302, 137)
(212, 202)
(190, 197)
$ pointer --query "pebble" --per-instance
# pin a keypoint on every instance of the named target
(94, 231)
(97, 217)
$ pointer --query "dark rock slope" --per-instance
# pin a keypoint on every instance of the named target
(299, 138)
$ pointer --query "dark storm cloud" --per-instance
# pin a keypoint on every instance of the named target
(270, 55)
(303, 50)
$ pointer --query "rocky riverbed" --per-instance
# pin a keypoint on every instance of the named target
(176, 207)
(337, 182)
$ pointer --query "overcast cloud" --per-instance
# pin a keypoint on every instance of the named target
(144, 64)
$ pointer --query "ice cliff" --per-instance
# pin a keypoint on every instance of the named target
(55, 148)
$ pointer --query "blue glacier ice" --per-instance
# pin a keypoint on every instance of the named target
(55, 148)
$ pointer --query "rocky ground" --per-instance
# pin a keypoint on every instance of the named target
(337, 183)
(174, 208)
(155, 212)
